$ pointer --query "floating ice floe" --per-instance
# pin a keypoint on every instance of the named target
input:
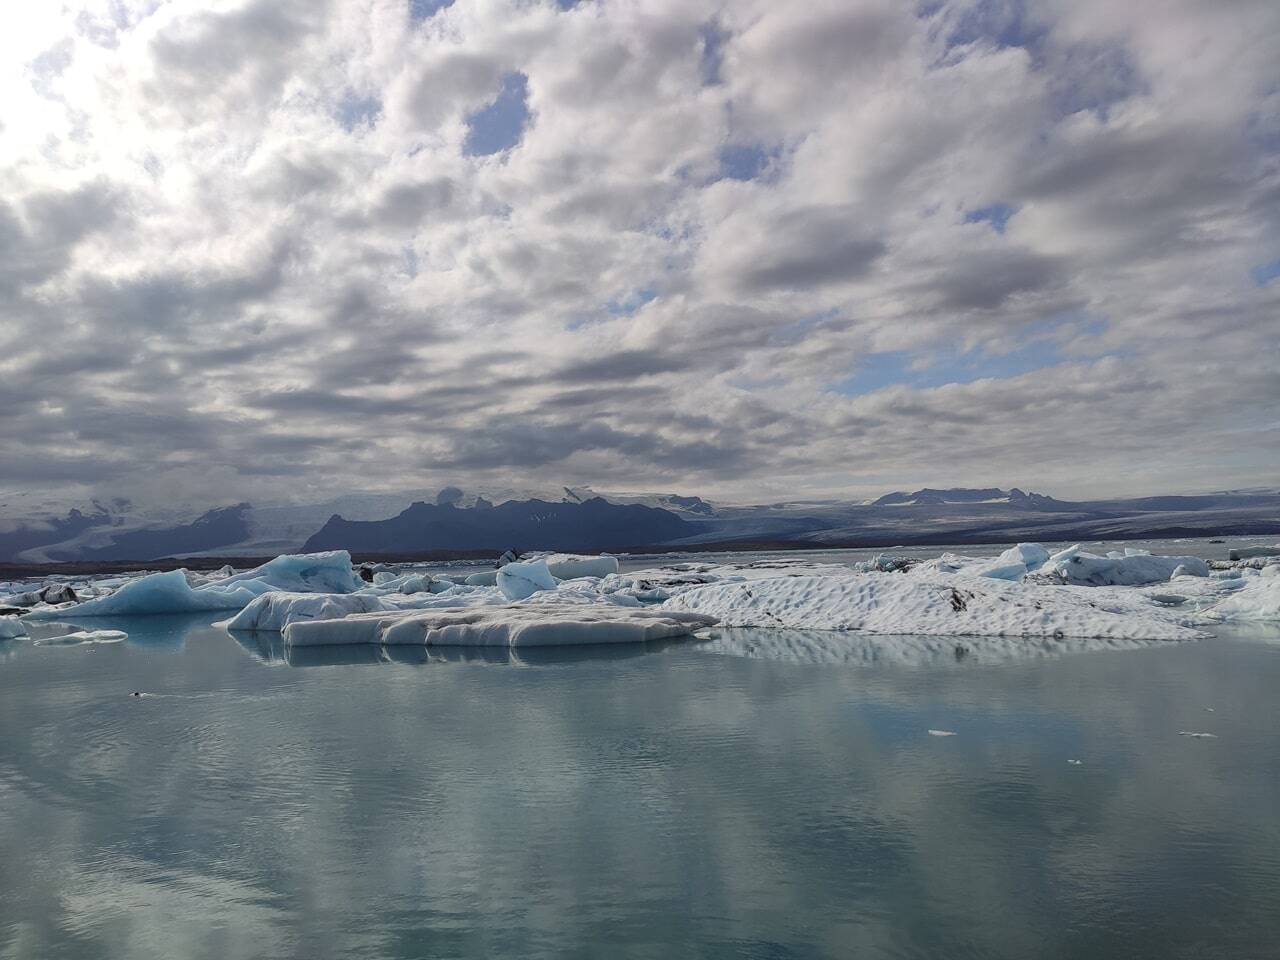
(82, 638)
(170, 592)
(512, 625)
(892, 604)
(571, 566)
(11, 628)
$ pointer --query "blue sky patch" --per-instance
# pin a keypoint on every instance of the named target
(743, 162)
(713, 41)
(499, 125)
(354, 111)
(997, 215)
(631, 303)
(1043, 350)
(424, 9)
(1265, 273)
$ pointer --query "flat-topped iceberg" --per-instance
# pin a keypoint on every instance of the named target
(510, 625)
(895, 604)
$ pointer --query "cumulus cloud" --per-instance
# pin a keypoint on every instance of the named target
(247, 247)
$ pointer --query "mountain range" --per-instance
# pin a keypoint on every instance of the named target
(578, 518)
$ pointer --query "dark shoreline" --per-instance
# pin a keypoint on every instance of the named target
(27, 571)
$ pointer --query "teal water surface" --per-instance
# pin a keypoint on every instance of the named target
(667, 801)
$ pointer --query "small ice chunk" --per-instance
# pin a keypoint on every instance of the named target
(11, 628)
(1198, 736)
(82, 637)
(942, 733)
(520, 580)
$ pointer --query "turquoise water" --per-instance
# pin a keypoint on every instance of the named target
(669, 801)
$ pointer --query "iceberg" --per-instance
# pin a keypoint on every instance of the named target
(892, 604)
(11, 628)
(570, 566)
(520, 580)
(1259, 599)
(170, 592)
(327, 572)
(508, 625)
(1132, 568)
(278, 609)
(1015, 563)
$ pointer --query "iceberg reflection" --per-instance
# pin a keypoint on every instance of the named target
(851, 647)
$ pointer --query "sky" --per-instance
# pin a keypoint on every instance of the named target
(283, 249)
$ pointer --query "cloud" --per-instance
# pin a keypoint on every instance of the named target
(363, 244)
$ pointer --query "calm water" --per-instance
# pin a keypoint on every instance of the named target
(676, 801)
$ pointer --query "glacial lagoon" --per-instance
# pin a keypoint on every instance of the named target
(763, 794)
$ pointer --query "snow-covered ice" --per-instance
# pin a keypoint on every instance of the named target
(1257, 599)
(893, 604)
(1128, 569)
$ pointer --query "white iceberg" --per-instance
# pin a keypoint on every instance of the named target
(571, 566)
(519, 580)
(1015, 563)
(1258, 599)
(509, 625)
(11, 628)
(894, 604)
(1132, 568)
(276, 610)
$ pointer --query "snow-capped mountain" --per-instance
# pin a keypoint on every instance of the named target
(579, 518)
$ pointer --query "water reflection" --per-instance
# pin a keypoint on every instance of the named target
(866, 649)
(675, 805)
(158, 632)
